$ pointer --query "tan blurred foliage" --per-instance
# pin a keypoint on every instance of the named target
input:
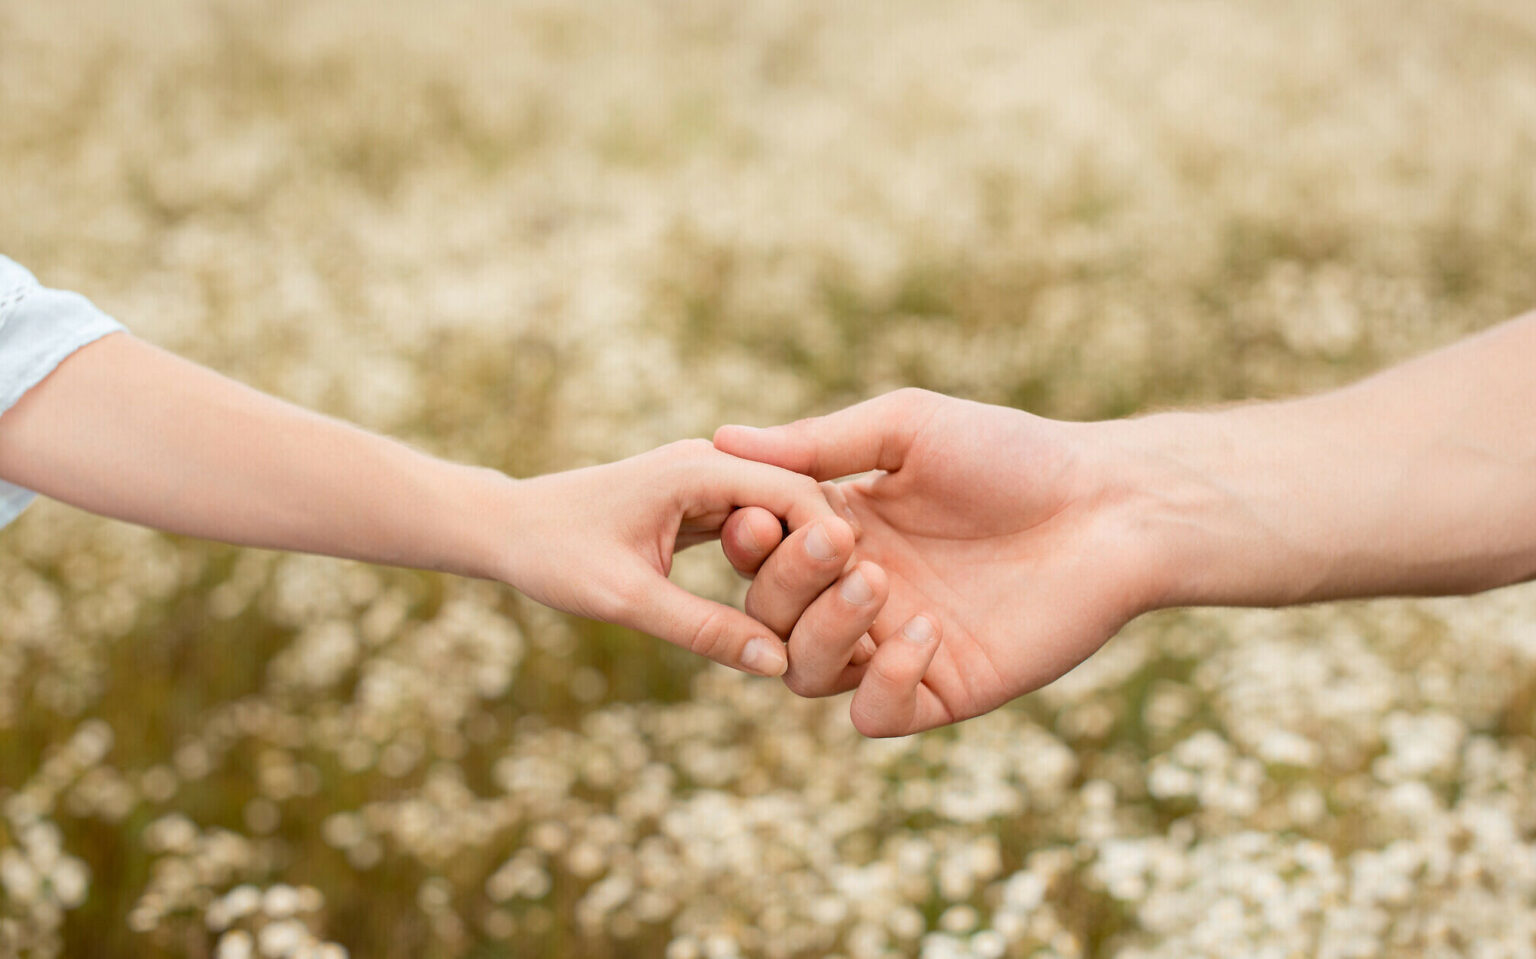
(537, 235)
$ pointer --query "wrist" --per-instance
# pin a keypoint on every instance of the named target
(1206, 514)
(476, 522)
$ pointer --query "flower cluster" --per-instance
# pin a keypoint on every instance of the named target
(540, 235)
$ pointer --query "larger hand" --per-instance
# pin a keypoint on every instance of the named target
(1000, 526)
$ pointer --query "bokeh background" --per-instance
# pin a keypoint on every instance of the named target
(542, 235)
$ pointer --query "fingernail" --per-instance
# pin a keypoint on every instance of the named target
(865, 650)
(748, 540)
(764, 657)
(918, 630)
(856, 590)
(819, 544)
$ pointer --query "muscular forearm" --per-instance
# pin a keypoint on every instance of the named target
(126, 430)
(1418, 481)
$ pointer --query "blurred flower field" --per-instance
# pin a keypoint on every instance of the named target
(542, 235)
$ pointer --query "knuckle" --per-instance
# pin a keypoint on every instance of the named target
(913, 396)
(883, 674)
(871, 723)
(915, 403)
(796, 682)
(615, 601)
(782, 579)
(804, 683)
(690, 449)
(711, 639)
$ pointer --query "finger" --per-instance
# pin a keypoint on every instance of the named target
(727, 636)
(805, 564)
(823, 642)
(891, 699)
(717, 477)
(837, 498)
(748, 536)
(871, 435)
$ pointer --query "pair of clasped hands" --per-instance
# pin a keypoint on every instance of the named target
(937, 586)
(970, 565)
(979, 553)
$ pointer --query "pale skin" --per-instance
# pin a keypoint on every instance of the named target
(997, 549)
(1030, 542)
(127, 430)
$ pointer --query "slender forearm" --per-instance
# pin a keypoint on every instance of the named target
(126, 430)
(1418, 481)
(129, 431)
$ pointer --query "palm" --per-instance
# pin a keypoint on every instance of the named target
(984, 527)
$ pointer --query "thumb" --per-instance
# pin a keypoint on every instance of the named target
(718, 632)
(874, 434)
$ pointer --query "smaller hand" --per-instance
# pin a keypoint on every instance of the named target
(598, 542)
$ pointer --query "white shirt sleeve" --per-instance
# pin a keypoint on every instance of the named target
(39, 329)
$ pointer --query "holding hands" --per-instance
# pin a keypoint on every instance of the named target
(992, 529)
(995, 549)
(127, 430)
(598, 542)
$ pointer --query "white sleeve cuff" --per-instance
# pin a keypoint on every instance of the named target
(39, 329)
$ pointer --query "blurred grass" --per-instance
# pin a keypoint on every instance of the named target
(536, 236)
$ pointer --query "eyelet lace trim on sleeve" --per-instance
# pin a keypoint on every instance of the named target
(13, 289)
